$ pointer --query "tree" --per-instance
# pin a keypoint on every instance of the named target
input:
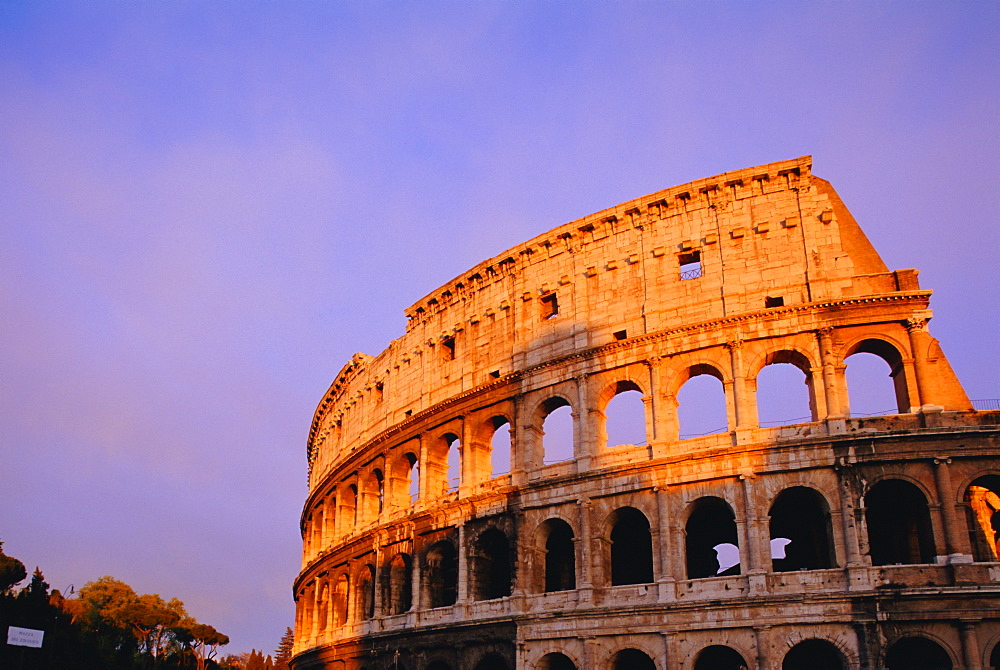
(283, 654)
(200, 639)
(11, 572)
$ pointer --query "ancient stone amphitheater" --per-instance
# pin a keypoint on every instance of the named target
(472, 506)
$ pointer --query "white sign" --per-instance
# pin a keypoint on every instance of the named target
(24, 637)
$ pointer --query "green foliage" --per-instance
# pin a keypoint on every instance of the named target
(283, 654)
(11, 571)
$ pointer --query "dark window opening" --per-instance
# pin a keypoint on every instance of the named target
(439, 665)
(690, 265)
(718, 657)
(400, 584)
(774, 301)
(633, 659)
(631, 548)
(917, 653)
(495, 374)
(621, 334)
(379, 391)
(899, 524)
(491, 569)
(408, 412)
(814, 655)
(560, 557)
(448, 349)
(711, 544)
(366, 592)
(441, 575)
(550, 306)
(556, 661)
(801, 535)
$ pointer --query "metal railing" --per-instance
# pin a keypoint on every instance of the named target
(986, 404)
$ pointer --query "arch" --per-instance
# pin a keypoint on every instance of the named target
(321, 610)
(995, 656)
(631, 552)
(443, 465)
(624, 413)
(365, 592)
(492, 661)
(719, 657)
(814, 654)
(441, 575)
(556, 417)
(982, 508)
(779, 402)
(439, 665)
(801, 532)
(555, 661)
(404, 486)
(349, 509)
(917, 652)
(374, 498)
(632, 659)
(501, 443)
(491, 566)
(555, 538)
(710, 539)
(899, 524)
(398, 587)
(897, 392)
(701, 402)
(339, 600)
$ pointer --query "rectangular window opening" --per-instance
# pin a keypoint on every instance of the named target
(774, 301)
(550, 306)
(621, 334)
(690, 265)
(495, 374)
(448, 349)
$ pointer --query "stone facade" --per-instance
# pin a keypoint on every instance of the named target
(838, 542)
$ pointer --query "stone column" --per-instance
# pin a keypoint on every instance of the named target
(585, 423)
(744, 401)
(970, 645)
(463, 568)
(916, 327)
(835, 396)
(763, 639)
(469, 466)
(672, 660)
(586, 545)
(664, 569)
(520, 444)
(955, 544)
(756, 570)
(659, 409)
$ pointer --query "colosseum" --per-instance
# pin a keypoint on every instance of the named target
(520, 480)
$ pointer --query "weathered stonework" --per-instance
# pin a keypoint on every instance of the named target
(613, 559)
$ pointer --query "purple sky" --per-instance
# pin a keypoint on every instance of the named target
(206, 208)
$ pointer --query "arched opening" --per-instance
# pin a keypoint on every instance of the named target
(719, 657)
(403, 482)
(441, 575)
(995, 656)
(899, 524)
(625, 416)
(491, 566)
(492, 662)
(414, 485)
(316, 529)
(876, 383)
(982, 508)
(556, 538)
(631, 548)
(340, 601)
(556, 661)
(557, 431)
(784, 390)
(917, 653)
(814, 655)
(349, 509)
(632, 659)
(711, 544)
(500, 445)
(366, 592)
(801, 533)
(454, 464)
(374, 495)
(322, 603)
(399, 586)
(701, 404)
(439, 665)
